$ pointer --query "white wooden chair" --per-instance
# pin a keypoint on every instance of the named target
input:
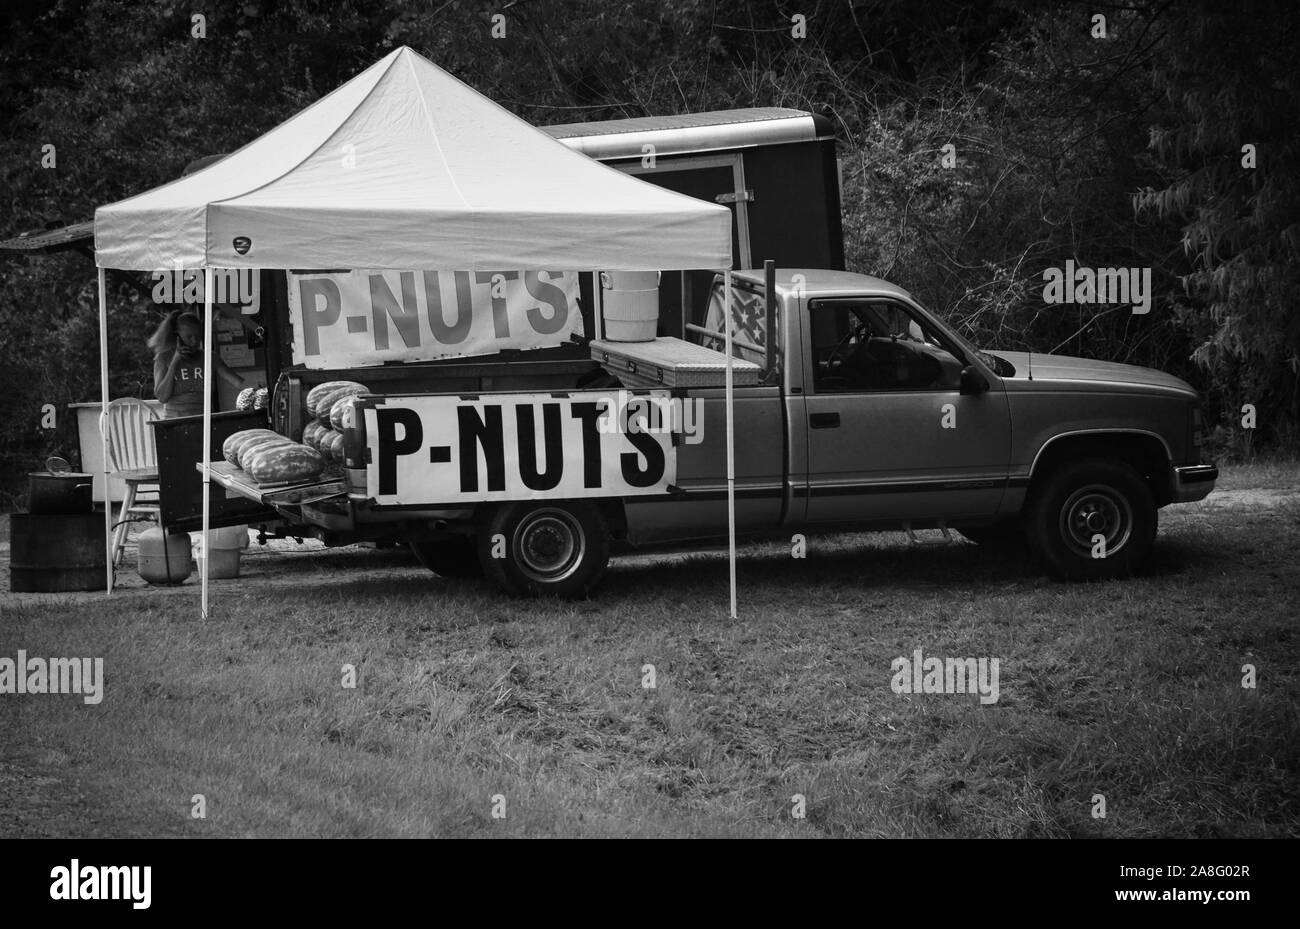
(133, 459)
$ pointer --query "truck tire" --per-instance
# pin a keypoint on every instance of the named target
(558, 548)
(1083, 499)
(454, 557)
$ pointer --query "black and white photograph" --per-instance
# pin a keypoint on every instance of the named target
(692, 419)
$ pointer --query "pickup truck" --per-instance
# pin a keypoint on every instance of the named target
(856, 409)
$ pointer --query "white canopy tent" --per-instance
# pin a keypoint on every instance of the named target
(405, 167)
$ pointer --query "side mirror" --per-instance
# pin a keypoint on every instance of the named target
(972, 381)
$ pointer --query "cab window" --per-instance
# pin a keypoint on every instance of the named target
(873, 345)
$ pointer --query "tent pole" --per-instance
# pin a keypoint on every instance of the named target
(598, 300)
(731, 448)
(103, 428)
(207, 429)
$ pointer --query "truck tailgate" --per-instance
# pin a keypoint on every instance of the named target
(238, 483)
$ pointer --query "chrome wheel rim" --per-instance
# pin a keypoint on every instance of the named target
(549, 545)
(1096, 510)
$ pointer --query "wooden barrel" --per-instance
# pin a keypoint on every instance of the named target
(56, 553)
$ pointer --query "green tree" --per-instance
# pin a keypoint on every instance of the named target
(1227, 147)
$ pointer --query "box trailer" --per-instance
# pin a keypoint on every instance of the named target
(775, 168)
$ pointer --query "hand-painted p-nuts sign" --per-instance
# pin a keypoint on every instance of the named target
(242, 244)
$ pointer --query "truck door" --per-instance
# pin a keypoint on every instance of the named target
(890, 437)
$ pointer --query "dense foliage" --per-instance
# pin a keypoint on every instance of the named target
(1122, 151)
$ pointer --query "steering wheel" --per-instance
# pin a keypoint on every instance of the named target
(833, 361)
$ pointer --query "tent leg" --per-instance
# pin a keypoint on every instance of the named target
(103, 428)
(731, 447)
(207, 430)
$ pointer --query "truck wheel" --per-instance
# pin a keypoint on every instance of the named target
(1086, 499)
(559, 548)
(454, 557)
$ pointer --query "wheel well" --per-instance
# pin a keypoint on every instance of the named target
(1145, 453)
(610, 507)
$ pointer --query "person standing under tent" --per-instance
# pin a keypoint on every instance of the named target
(177, 345)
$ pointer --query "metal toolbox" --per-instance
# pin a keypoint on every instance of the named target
(670, 362)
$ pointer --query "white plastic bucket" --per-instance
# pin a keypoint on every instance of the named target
(631, 301)
(225, 563)
(231, 537)
(630, 280)
(226, 545)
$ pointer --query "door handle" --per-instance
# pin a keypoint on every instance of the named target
(824, 420)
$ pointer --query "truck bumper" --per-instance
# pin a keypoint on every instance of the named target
(1193, 482)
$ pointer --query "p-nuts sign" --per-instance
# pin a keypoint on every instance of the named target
(361, 318)
(452, 450)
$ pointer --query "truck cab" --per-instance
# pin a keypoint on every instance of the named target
(891, 420)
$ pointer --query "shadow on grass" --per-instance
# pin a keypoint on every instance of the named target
(867, 566)
(766, 573)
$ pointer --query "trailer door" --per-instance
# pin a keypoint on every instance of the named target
(717, 179)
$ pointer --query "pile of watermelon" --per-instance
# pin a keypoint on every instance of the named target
(270, 458)
(327, 404)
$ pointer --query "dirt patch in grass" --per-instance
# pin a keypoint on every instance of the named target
(1253, 498)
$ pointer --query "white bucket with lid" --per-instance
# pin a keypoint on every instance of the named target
(631, 302)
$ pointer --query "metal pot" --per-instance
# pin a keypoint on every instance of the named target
(58, 491)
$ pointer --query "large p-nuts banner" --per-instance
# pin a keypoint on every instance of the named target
(463, 449)
(352, 319)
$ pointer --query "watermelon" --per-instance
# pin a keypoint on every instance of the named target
(227, 449)
(338, 410)
(325, 403)
(261, 398)
(257, 443)
(276, 464)
(312, 433)
(245, 399)
(331, 446)
(315, 395)
(322, 441)
(230, 448)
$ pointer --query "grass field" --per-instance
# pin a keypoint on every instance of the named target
(1130, 690)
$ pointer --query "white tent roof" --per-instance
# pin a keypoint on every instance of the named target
(405, 167)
